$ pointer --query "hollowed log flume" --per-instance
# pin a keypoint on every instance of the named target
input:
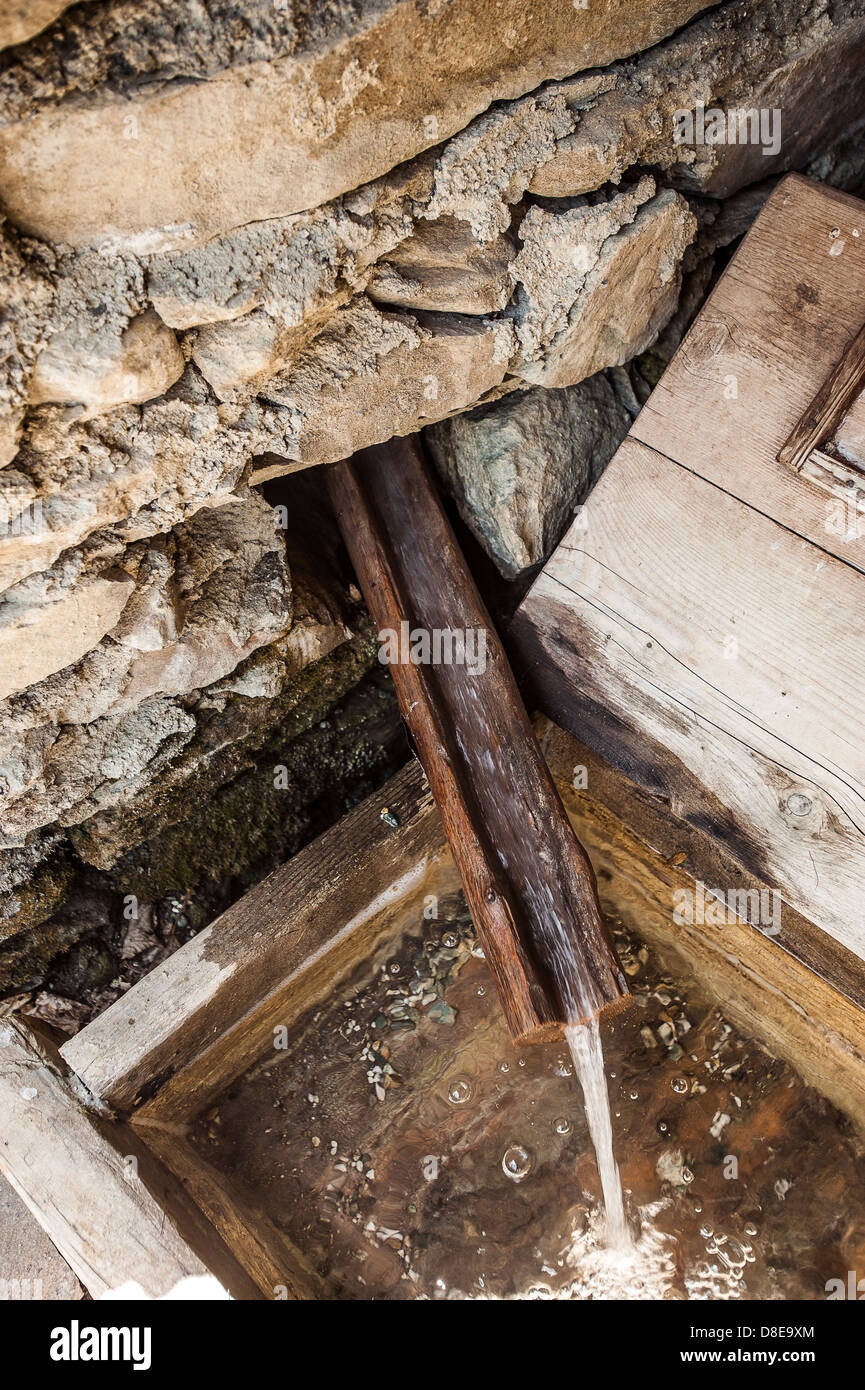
(528, 882)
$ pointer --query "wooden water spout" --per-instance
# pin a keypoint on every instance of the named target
(529, 885)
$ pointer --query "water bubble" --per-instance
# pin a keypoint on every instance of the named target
(459, 1090)
(750, 1229)
(687, 1175)
(680, 1085)
(563, 1067)
(521, 1061)
(480, 991)
(450, 939)
(516, 1162)
(478, 951)
(562, 1125)
(505, 1066)
(394, 967)
(635, 1095)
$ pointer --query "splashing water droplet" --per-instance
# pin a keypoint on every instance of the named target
(517, 1162)
(459, 1091)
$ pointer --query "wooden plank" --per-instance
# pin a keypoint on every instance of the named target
(767, 992)
(693, 634)
(269, 953)
(230, 1051)
(765, 342)
(279, 1270)
(829, 406)
(527, 880)
(117, 1217)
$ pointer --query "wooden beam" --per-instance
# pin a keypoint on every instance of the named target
(196, 1021)
(527, 880)
(829, 406)
(115, 1214)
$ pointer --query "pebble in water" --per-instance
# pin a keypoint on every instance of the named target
(516, 1162)
(459, 1091)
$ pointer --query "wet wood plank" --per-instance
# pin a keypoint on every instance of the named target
(526, 878)
(183, 1029)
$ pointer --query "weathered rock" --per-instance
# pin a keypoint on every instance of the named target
(518, 468)
(268, 109)
(138, 468)
(21, 19)
(372, 374)
(27, 295)
(198, 602)
(593, 295)
(802, 59)
(108, 369)
(38, 639)
(444, 268)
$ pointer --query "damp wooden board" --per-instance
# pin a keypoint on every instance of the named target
(700, 627)
(193, 1029)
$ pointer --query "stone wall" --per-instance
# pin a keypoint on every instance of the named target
(243, 239)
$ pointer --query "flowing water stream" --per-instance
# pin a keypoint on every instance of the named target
(584, 1040)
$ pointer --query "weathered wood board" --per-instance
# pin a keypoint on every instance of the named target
(791, 301)
(700, 626)
(119, 1219)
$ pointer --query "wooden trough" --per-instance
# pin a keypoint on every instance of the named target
(694, 648)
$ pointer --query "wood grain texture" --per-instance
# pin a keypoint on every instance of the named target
(762, 347)
(769, 993)
(527, 881)
(114, 1213)
(178, 1036)
(829, 406)
(675, 623)
(277, 1268)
